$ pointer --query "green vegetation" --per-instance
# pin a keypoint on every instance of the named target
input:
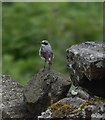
(72, 87)
(0, 37)
(63, 24)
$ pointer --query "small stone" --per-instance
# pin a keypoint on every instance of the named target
(74, 92)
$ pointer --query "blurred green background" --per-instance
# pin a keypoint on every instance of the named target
(25, 25)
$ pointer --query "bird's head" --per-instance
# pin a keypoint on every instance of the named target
(44, 43)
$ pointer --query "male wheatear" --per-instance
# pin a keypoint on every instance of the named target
(46, 52)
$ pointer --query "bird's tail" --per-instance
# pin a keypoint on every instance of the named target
(50, 63)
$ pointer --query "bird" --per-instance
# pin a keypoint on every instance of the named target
(46, 53)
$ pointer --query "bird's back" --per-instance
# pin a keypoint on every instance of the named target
(47, 53)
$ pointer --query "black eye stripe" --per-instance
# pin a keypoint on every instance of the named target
(45, 43)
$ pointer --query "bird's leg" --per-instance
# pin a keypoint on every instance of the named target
(44, 65)
(50, 63)
(49, 66)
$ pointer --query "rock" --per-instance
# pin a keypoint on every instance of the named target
(86, 63)
(75, 107)
(80, 92)
(45, 88)
(12, 104)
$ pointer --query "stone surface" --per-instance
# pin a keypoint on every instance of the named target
(76, 107)
(12, 104)
(86, 63)
(80, 93)
(45, 88)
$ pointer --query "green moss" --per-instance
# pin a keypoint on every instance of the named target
(61, 109)
(60, 106)
(99, 99)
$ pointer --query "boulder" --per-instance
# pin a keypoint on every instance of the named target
(76, 107)
(45, 88)
(12, 105)
(86, 64)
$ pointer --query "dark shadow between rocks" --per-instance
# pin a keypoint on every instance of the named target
(94, 87)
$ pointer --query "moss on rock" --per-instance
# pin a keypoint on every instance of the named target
(62, 109)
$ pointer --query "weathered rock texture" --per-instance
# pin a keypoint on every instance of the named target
(48, 90)
(76, 107)
(12, 104)
(86, 63)
(45, 88)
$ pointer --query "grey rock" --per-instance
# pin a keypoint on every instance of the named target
(76, 108)
(86, 63)
(45, 88)
(12, 105)
(81, 93)
(11, 91)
